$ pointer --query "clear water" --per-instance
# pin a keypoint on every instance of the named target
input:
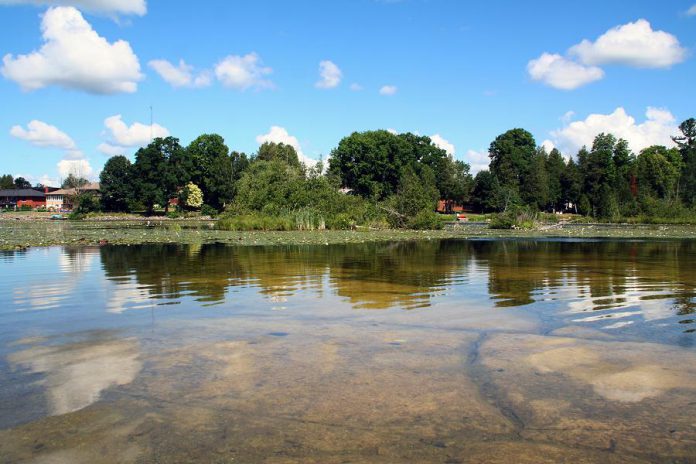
(434, 351)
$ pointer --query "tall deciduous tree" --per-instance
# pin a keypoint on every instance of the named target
(555, 166)
(160, 169)
(22, 183)
(511, 156)
(116, 184)
(212, 169)
(271, 151)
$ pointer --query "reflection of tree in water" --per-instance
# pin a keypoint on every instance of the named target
(407, 274)
(604, 271)
(370, 275)
(403, 274)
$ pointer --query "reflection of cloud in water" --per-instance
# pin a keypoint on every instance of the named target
(74, 375)
(49, 290)
(128, 294)
(649, 301)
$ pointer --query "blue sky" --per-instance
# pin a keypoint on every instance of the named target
(464, 71)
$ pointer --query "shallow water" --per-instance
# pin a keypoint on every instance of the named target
(521, 351)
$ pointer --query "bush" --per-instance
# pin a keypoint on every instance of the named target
(207, 210)
(425, 220)
(26, 208)
(173, 214)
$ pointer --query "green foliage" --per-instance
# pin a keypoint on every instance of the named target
(425, 220)
(515, 218)
(270, 151)
(7, 182)
(416, 193)
(116, 184)
(207, 210)
(86, 202)
(74, 182)
(213, 169)
(21, 183)
(511, 156)
(159, 170)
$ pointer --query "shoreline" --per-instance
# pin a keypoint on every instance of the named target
(22, 234)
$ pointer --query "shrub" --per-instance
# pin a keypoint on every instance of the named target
(425, 220)
(207, 210)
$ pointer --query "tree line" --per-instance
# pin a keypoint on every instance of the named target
(381, 178)
(606, 180)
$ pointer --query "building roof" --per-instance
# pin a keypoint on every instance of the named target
(22, 193)
(92, 187)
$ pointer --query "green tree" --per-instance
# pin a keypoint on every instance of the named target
(7, 182)
(74, 182)
(416, 195)
(511, 156)
(534, 188)
(555, 167)
(600, 177)
(271, 151)
(266, 186)
(485, 193)
(212, 169)
(571, 185)
(22, 183)
(116, 184)
(657, 170)
(686, 142)
(370, 163)
(160, 169)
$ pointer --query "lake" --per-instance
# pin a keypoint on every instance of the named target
(448, 351)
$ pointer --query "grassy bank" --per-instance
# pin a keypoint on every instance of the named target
(23, 234)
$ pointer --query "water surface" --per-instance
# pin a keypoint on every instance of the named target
(432, 351)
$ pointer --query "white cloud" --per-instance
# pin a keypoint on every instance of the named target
(440, 142)
(633, 44)
(355, 87)
(562, 73)
(548, 145)
(243, 72)
(181, 75)
(74, 56)
(121, 137)
(691, 11)
(478, 160)
(279, 134)
(388, 90)
(657, 129)
(124, 7)
(393, 131)
(43, 135)
(330, 75)
(76, 167)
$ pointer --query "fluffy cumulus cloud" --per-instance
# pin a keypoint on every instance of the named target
(657, 128)
(44, 135)
(76, 167)
(279, 134)
(122, 137)
(106, 7)
(477, 160)
(633, 44)
(440, 142)
(181, 75)
(243, 72)
(388, 90)
(561, 73)
(329, 75)
(74, 56)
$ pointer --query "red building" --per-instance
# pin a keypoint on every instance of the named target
(22, 197)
